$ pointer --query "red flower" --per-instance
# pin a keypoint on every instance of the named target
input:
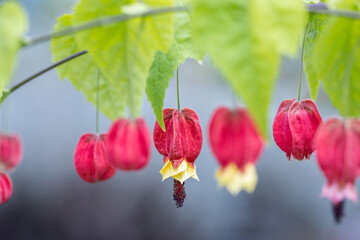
(180, 144)
(294, 128)
(10, 151)
(237, 145)
(5, 188)
(91, 160)
(338, 155)
(129, 144)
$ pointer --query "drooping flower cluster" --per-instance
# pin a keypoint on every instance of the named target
(237, 145)
(126, 147)
(180, 146)
(338, 155)
(10, 157)
(294, 128)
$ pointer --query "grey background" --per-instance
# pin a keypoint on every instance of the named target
(51, 202)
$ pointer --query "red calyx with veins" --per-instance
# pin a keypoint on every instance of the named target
(180, 145)
(294, 128)
(10, 151)
(338, 155)
(129, 145)
(237, 144)
(91, 159)
(6, 188)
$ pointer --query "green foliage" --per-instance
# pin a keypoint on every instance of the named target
(161, 71)
(336, 59)
(83, 73)
(245, 40)
(184, 45)
(311, 1)
(315, 25)
(125, 51)
(13, 24)
(344, 4)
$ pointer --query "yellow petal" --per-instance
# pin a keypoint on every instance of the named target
(236, 180)
(182, 173)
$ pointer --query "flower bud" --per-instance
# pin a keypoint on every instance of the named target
(237, 144)
(294, 128)
(91, 159)
(129, 145)
(10, 151)
(5, 188)
(180, 144)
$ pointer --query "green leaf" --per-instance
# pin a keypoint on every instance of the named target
(282, 22)
(337, 62)
(136, 8)
(316, 23)
(13, 24)
(343, 4)
(125, 51)
(245, 40)
(83, 73)
(161, 72)
(311, 1)
(184, 45)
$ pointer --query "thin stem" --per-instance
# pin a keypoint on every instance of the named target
(101, 22)
(320, 8)
(301, 59)
(323, 8)
(177, 87)
(7, 93)
(97, 101)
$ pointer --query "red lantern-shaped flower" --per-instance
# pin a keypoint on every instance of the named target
(5, 188)
(237, 144)
(129, 144)
(294, 128)
(10, 151)
(180, 145)
(338, 155)
(91, 159)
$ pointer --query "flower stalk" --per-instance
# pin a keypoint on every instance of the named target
(302, 59)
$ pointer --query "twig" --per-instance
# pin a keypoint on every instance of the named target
(11, 90)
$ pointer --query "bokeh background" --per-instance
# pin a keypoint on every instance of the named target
(50, 201)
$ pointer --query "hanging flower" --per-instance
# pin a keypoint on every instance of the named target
(5, 188)
(180, 145)
(236, 143)
(10, 151)
(338, 155)
(294, 128)
(91, 160)
(129, 145)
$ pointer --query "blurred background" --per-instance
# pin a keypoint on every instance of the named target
(50, 201)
